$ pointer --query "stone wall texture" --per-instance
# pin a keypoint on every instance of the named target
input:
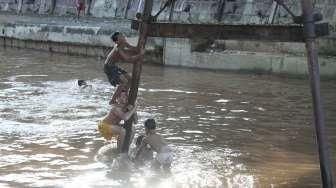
(191, 11)
(227, 55)
(197, 11)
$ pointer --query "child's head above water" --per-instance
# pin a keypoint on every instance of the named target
(150, 124)
(81, 83)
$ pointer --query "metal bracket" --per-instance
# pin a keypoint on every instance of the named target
(276, 33)
(299, 19)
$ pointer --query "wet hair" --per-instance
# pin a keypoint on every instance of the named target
(139, 140)
(150, 124)
(115, 35)
(81, 82)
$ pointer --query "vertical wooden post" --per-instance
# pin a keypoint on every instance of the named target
(309, 30)
(146, 18)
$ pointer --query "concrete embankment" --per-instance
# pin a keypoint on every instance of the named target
(91, 37)
(88, 37)
(61, 34)
(258, 57)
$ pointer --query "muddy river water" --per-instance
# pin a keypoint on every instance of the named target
(226, 129)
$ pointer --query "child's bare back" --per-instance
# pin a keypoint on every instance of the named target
(164, 155)
(155, 141)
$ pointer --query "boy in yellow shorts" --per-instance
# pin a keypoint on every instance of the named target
(110, 125)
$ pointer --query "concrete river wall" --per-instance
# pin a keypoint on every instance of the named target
(49, 25)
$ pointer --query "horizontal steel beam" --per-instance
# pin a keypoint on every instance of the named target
(276, 33)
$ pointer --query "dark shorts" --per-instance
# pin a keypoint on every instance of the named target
(113, 73)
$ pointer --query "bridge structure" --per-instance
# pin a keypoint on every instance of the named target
(306, 28)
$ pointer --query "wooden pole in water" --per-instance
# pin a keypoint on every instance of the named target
(146, 18)
(310, 35)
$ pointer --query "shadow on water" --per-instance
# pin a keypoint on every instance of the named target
(226, 130)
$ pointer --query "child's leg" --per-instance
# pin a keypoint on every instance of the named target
(117, 130)
(122, 137)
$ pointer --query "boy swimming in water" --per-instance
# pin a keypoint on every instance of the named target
(164, 155)
(82, 84)
(110, 126)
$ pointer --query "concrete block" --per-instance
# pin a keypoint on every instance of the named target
(90, 51)
(276, 64)
(327, 46)
(2, 42)
(290, 65)
(17, 43)
(51, 46)
(9, 42)
(62, 48)
(302, 66)
(30, 44)
(21, 44)
(76, 50)
(40, 45)
(95, 51)
(328, 66)
(260, 63)
(14, 43)
(100, 52)
(54, 47)
(172, 56)
(35, 45)
(329, 12)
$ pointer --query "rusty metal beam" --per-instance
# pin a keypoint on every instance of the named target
(314, 74)
(275, 33)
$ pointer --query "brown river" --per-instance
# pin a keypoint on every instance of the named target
(226, 129)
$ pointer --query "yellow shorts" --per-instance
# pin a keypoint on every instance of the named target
(105, 130)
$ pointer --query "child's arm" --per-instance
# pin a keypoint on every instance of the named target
(129, 58)
(132, 48)
(126, 115)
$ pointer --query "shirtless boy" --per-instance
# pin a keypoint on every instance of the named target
(110, 125)
(164, 155)
(121, 52)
